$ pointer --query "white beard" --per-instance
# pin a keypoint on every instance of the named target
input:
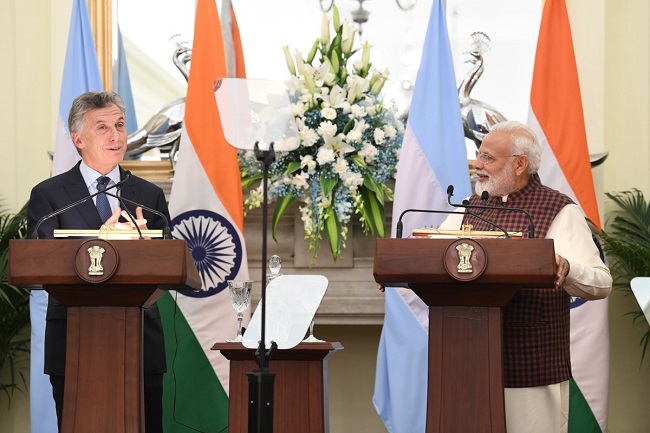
(499, 185)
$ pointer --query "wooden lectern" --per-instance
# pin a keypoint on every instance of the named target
(465, 282)
(300, 389)
(106, 285)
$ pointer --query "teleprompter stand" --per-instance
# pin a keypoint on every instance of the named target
(260, 381)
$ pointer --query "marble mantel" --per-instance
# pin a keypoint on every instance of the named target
(352, 297)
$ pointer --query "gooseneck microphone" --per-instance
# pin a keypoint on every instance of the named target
(400, 226)
(34, 235)
(167, 232)
(485, 196)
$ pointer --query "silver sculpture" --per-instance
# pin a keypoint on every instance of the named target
(163, 130)
(478, 117)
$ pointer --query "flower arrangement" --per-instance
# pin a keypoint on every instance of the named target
(349, 142)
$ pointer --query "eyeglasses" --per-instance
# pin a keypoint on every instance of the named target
(486, 158)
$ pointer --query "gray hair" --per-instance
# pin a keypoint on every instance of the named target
(91, 101)
(524, 142)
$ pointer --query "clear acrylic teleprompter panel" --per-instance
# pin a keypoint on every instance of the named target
(256, 111)
(291, 303)
(641, 289)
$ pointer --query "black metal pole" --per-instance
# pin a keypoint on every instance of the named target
(261, 381)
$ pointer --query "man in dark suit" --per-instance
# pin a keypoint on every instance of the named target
(97, 128)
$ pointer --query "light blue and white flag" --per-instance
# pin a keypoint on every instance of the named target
(433, 156)
(80, 74)
(122, 84)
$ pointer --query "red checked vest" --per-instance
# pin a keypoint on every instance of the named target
(536, 320)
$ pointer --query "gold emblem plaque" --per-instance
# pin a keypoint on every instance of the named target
(96, 261)
(465, 259)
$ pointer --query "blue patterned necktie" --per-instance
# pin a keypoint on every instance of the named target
(103, 207)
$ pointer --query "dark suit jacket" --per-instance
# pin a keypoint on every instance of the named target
(59, 191)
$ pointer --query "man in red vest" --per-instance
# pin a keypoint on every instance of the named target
(536, 353)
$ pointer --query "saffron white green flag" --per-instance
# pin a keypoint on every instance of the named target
(207, 211)
(556, 117)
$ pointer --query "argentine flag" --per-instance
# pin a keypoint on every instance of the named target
(433, 156)
(80, 74)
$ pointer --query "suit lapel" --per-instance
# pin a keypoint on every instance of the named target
(129, 192)
(76, 188)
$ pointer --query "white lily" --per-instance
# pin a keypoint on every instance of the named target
(377, 81)
(289, 60)
(347, 37)
(338, 144)
(300, 63)
(365, 58)
(325, 32)
(356, 87)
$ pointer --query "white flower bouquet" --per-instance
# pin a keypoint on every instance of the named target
(349, 143)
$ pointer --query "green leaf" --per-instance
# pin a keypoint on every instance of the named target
(327, 184)
(374, 186)
(332, 228)
(281, 207)
(348, 126)
(372, 212)
(293, 166)
(247, 181)
(335, 61)
(359, 161)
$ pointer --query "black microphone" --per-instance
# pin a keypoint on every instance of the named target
(400, 226)
(484, 196)
(167, 232)
(127, 175)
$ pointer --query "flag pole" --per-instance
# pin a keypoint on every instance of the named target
(261, 381)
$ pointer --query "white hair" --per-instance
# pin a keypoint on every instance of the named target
(524, 142)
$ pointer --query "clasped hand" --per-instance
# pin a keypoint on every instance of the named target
(114, 223)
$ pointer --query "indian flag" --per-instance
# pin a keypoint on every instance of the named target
(207, 211)
(556, 116)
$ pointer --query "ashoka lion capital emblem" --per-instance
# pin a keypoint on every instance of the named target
(464, 256)
(96, 253)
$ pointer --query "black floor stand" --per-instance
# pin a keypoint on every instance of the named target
(260, 382)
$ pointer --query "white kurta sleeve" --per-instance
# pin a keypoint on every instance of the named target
(588, 277)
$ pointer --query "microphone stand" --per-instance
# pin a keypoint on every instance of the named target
(261, 381)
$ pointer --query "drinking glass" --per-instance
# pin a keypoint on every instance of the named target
(275, 264)
(240, 298)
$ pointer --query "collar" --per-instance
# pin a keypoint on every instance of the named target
(532, 184)
(90, 176)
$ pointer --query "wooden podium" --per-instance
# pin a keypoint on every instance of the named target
(106, 285)
(465, 282)
(300, 391)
